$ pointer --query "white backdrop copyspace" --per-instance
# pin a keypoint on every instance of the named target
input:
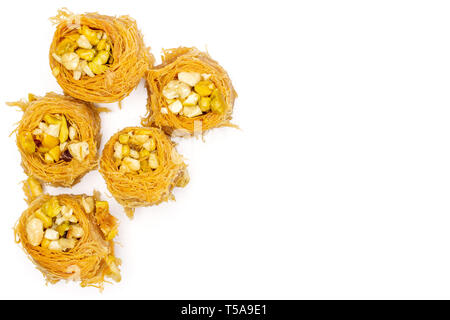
(336, 186)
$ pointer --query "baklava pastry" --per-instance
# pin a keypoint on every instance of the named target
(188, 92)
(58, 138)
(70, 237)
(141, 167)
(98, 58)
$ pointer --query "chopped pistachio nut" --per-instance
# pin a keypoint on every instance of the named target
(190, 78)
(64, 131)
(75, 231)
(88, 204)
(118, 149)
(51, 208)
(135, 152)
(53, 130)
(59, 220)
(51, 234)
(54, 245)
(112, 265)
(49, 141)
(205, 88)
(153, 160)
(139, 138)
(150, 144)
(85, 68)
(35, 186)
(55, 153)
(83, 42)
(70, 60)
(192, 111)
(125, 150)
(62, 228)
(217, 102)
(85, 52)
(79, 150)
(131, 164)
(66, 212)
(67, 244)
(72, 133)
(206, 76)
(56, 57)
(101, 205)
(170, 91)
(27, 142)
(52, 227)
(192, 94)
(63, 146)
(124, 138)
(176, 107)
(56, 71)
(205, 104)
(191, 100)
(45, 243)
(35, 231)
(53, 140)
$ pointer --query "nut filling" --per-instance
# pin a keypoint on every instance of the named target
(191, 95)
(55, 140)
(85, 52)
(136, 152)
(54, 227)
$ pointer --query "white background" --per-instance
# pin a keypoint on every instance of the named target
(337, 186)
